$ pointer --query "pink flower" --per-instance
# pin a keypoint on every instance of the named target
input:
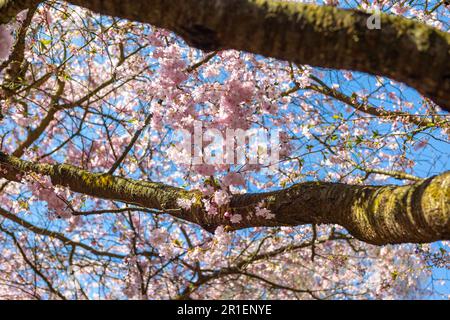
(221, 197)
(399, 9)
(172, 68)
(211, 71)
(159, 237)
(154, 40)
(209, 207)
(238, 91)
(236, 218)
(204, 169)
(173, 71)
(421, 144)
(6, 42)
(263, 212)
(185, 203)
(48, 17)
(348, 75)
(234, 179)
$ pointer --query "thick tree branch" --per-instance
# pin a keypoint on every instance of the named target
(403, 49)
(375, 214)
(11, 8)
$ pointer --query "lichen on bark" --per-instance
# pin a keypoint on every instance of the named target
(417, 213)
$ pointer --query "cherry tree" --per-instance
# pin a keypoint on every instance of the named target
(98, 200)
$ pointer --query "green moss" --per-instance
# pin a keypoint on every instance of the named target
(421, 34)
(439, 187)
(3, 3)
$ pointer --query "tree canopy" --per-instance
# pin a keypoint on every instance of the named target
(349, 193)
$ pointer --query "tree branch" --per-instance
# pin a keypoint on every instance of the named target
(417, 213)
(56, 235)
(404, 50)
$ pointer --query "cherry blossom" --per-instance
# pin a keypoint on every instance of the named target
(102, 93)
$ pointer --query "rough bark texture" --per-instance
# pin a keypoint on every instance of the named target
(404, 50)
(375, 214)
(10, 8)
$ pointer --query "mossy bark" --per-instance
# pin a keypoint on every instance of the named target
(375, 214)
(10, 8)
(404, 50)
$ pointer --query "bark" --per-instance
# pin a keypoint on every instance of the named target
(379, 215)
(10, 8)
(403, 49)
